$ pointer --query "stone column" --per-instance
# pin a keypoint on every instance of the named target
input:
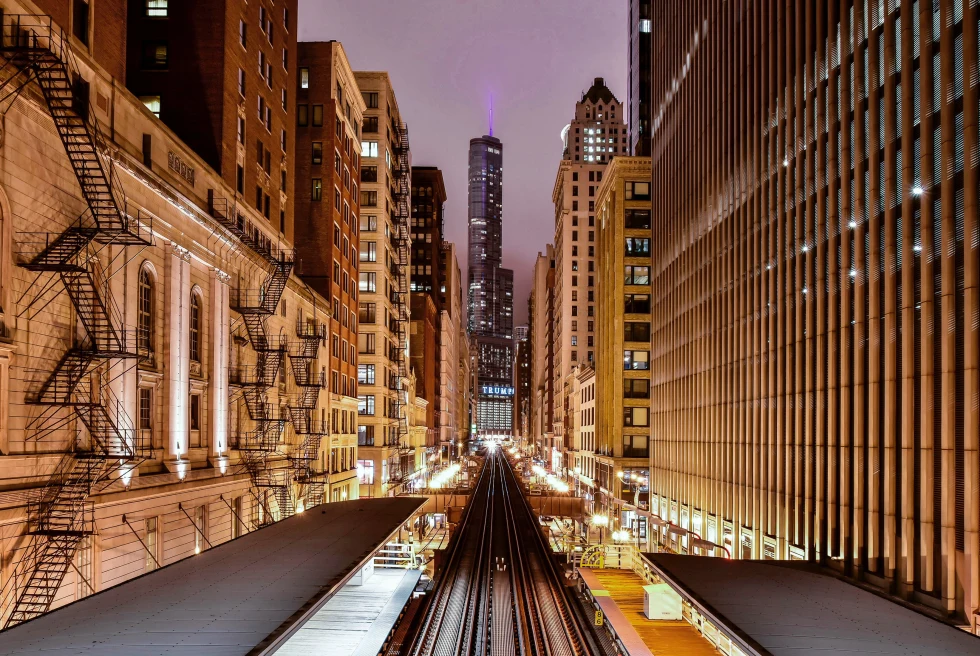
(176, 353)
(219, 365)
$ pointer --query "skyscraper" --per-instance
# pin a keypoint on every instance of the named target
(640, 74)
(594, 137)
(491, 289)
(486, 277)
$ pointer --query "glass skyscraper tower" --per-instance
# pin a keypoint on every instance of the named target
(490, 297)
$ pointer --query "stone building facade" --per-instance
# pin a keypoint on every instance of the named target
(158, 360)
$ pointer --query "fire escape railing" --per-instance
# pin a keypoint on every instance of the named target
(402, 245)
(309, 430)
(61, 513)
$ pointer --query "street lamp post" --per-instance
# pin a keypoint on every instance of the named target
(602, 521)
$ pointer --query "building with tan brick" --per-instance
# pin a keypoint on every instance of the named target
(596, 135)
(452, 420)
(384, 275)
(541, 335)
(622, 408)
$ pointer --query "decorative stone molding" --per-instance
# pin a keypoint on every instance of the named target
(181, 252)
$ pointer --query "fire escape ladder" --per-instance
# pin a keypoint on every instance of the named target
(403, 245)
(62, 512)
(302, 359)
(262, 447)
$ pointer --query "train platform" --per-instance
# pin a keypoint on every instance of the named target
(704, 605)
(357, 620)
(619, 594)
(247, 596)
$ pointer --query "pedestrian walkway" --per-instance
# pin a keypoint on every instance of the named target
(625, 589)
(358, 619)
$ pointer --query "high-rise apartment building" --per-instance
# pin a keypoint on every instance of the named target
(491, 290)
(451, 420)
(640, 76)
(541, 333)
(329, 110)
(622, 410)
(428, 199)
(814, 269)
(383, 290)
(595, 136)
(222, 76)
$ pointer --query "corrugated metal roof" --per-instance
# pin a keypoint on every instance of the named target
(782, 608)
(228, 600)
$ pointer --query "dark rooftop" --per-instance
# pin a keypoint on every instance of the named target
(599, 92)
(783, 608)
(227, 601)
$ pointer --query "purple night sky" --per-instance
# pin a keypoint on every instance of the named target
(446, 58)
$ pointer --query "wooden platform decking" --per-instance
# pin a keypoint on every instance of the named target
(677, 638)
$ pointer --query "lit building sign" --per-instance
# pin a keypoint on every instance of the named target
(498, 390)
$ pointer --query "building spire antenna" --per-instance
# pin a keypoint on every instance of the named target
(491, 114)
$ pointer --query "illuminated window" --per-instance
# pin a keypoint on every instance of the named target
(152, 103)
(365, 469)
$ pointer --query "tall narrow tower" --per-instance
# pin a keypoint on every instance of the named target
(490, 297)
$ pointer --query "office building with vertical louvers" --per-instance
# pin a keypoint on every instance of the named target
(814, 271)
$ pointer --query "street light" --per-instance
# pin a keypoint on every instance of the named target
(622, 536)
(602, 521)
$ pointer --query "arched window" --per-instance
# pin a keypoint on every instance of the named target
(195, 331)
(144, 332)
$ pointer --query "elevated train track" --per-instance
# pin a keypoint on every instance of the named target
(499, 593)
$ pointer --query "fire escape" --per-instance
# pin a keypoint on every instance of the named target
(403, 246)
(309, 430)
(105, 443)
(262, 448)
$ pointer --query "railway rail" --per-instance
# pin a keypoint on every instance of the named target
(499, 593)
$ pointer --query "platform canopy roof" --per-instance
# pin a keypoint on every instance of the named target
(241, 597)
(787, 608)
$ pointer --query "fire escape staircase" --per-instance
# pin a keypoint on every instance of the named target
(262, 448)
(302, 359)
(402, 244)
(62, 513)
